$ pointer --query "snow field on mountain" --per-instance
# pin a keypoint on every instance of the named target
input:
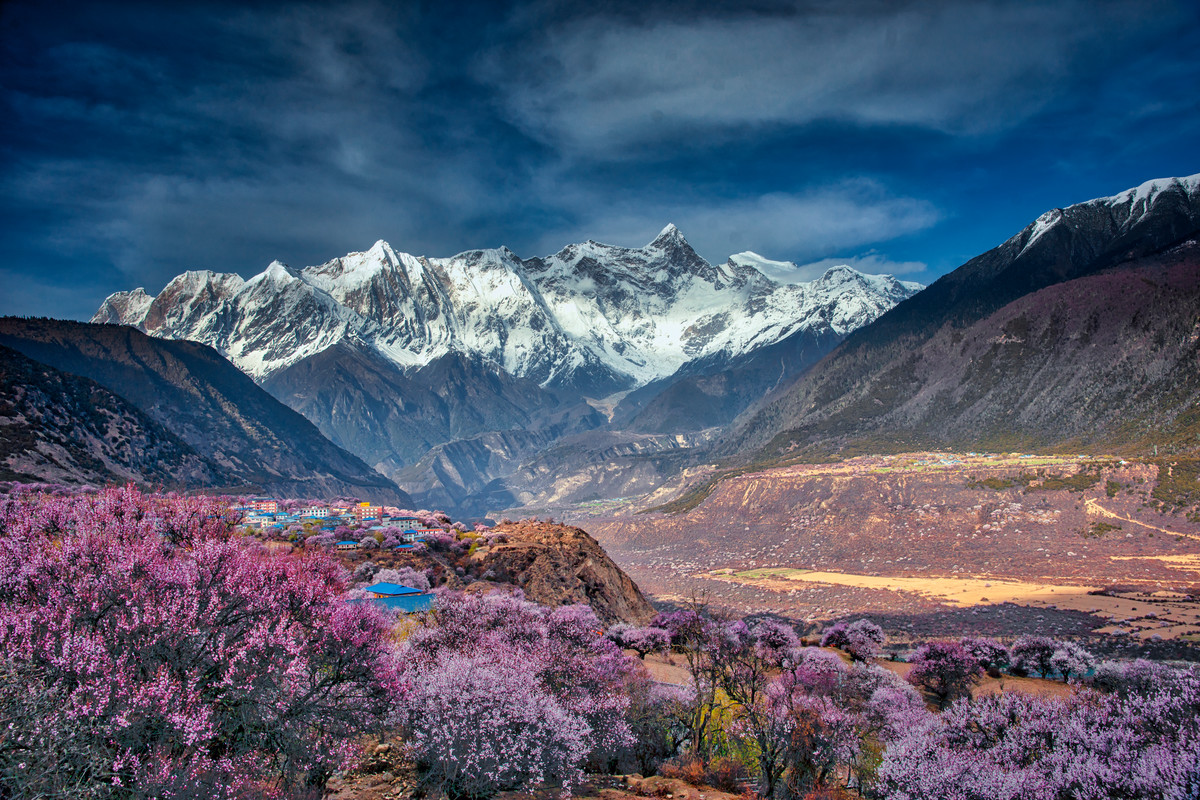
(636, 314)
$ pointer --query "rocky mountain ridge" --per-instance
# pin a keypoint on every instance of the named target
(1078, 331)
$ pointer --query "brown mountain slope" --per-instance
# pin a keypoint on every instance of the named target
(257, 442)
(905, 380)
(60, 428)
(1108, 362)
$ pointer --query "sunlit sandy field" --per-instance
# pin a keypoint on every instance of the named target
(1083, 544)
(1167, 614)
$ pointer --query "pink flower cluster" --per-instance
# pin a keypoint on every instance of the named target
(178, 661)
(1141, 742)
(507, 694)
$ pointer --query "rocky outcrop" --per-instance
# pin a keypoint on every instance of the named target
(559, 565)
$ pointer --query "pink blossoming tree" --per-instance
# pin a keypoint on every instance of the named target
(507, 694)
(158, 656)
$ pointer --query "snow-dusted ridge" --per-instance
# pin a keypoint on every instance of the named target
(1125, 208)
(590, 314)
(1147, 191)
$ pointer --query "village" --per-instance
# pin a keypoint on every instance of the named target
(347, 528)
(272, 518)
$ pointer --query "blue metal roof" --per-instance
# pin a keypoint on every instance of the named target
(391, 589)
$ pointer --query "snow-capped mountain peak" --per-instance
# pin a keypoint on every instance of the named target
(122, 306)
(1123, 210)
(670, 236)
(1148, 191)
(591, 315)
(277, 271)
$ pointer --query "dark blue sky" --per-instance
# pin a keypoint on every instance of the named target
(143, 139)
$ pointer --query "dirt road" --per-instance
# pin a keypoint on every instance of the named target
(1094, 506)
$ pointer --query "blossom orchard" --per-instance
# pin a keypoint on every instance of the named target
(509, 694)
(149, 652)
(158, 655)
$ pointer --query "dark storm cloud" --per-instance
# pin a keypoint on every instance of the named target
(278, 132)
(149, 138)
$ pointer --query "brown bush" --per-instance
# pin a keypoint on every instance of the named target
(726, 774)
(688, 769)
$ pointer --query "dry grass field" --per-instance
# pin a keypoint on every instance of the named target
(1014, 542)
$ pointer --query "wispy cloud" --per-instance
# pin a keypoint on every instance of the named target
(803, 225)
(611, 86)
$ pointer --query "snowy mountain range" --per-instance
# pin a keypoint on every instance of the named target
(592, 316)
(396, 357)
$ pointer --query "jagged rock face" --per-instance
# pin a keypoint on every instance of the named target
(59, 428)
(1033, 338)
(561, 565)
